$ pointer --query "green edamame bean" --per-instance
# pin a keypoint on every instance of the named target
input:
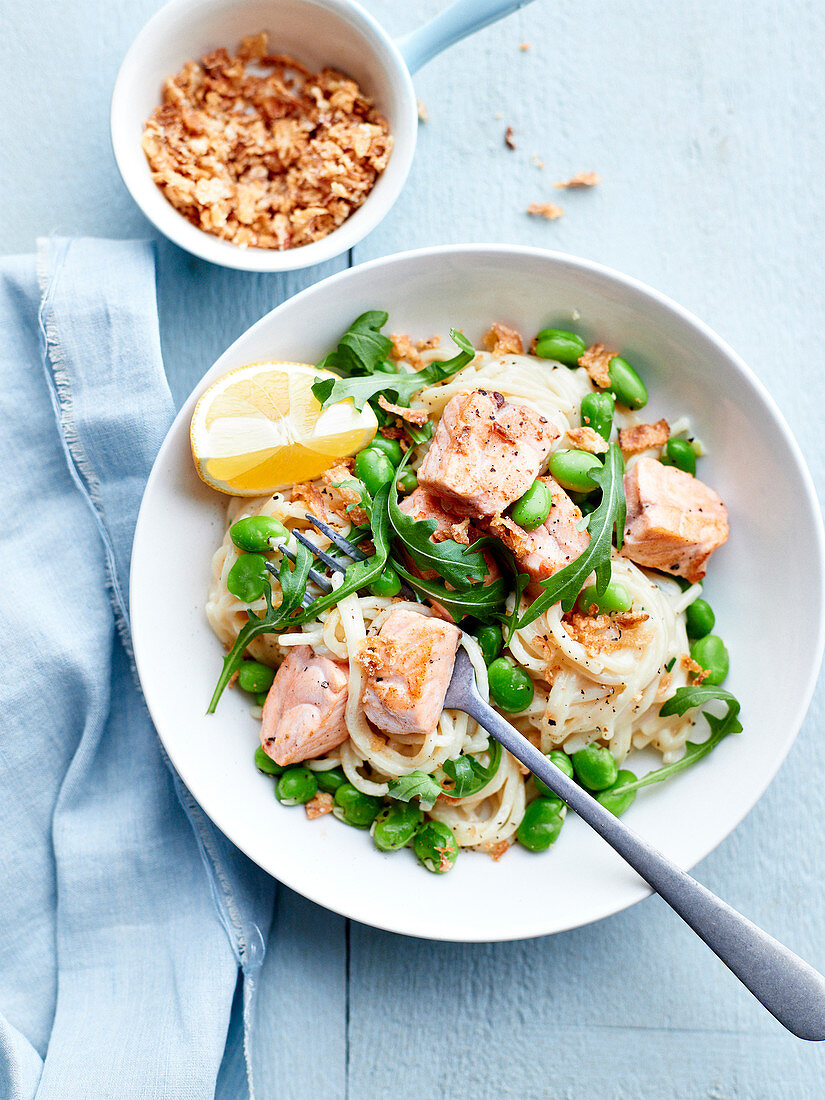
(571, 469)
(436, 846)
(355, 808)
(255, 677)
(540, 825)
(407, 482)
(563, 763)
(679, 453)
(248, 577)
(511, 688)
(711, 654)
(387, 584)
(253, 534)
(260, 697)
(699, 619)
(614, 598)
(490, 641)
(597, 413)
(395, 826)
(612, 800)
(373, 468)
(330, 780)
(557, 343)
(532, 509)
(266, 764)
(595, 767)
(390, 447)
(296, 786)
(625, 384)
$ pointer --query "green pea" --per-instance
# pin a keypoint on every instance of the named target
(390, 447)
(563, 763)
(373, 468)
(296, 786)
(540, 825)
(511, 688)
(254, 677)
(260, 697)
(699, 619)
(625, 384)
(614, 598)
(532, 509)
(490, 641)
(436, 846)
(387, 583)
(711, 654)
(330, 780)
(618, 803)
(407, 482)
(597, 413)
(395, 826)
(595, 767)
(557, 343)
(248, 577)
(571, 469)
(679, 453)
(253, 534)
(266, 764)
(355, 808)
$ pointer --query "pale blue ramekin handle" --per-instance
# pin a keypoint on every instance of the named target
(460, 19)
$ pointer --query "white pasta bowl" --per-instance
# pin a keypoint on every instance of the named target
(774, 661)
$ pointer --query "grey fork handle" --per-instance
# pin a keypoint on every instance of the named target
(789, 988)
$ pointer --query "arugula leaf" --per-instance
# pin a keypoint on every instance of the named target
(329, 391)
(454, 562)
(483, 601)
(520, 582)
(360, 573)
(468, 776)
(293, 583)
(684, 699)
(362, 347)
(611, 513)
(415, 785)
(420, 433)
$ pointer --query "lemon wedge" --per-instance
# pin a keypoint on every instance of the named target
(260, 428)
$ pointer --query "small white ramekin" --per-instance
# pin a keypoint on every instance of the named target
(320, 33)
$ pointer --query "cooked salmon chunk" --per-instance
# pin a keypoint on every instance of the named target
(304, 711)
(674, 521)
(547, 549)
(408, 665)
(486, 453)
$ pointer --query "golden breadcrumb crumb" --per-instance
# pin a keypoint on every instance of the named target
(641, 437)
(548, 210)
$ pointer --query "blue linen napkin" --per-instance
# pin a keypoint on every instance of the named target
(124, 915)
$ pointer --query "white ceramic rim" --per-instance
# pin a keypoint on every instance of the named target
(361, 912)
(187, 236)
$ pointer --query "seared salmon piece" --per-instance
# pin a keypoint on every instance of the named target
(674, 521)
(408, 665)
(304, 711)
(548, 548)
(486, 453)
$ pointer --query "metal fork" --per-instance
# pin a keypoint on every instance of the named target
(335, 565)
(789, 988)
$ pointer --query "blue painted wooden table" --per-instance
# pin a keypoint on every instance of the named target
(705, 122)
